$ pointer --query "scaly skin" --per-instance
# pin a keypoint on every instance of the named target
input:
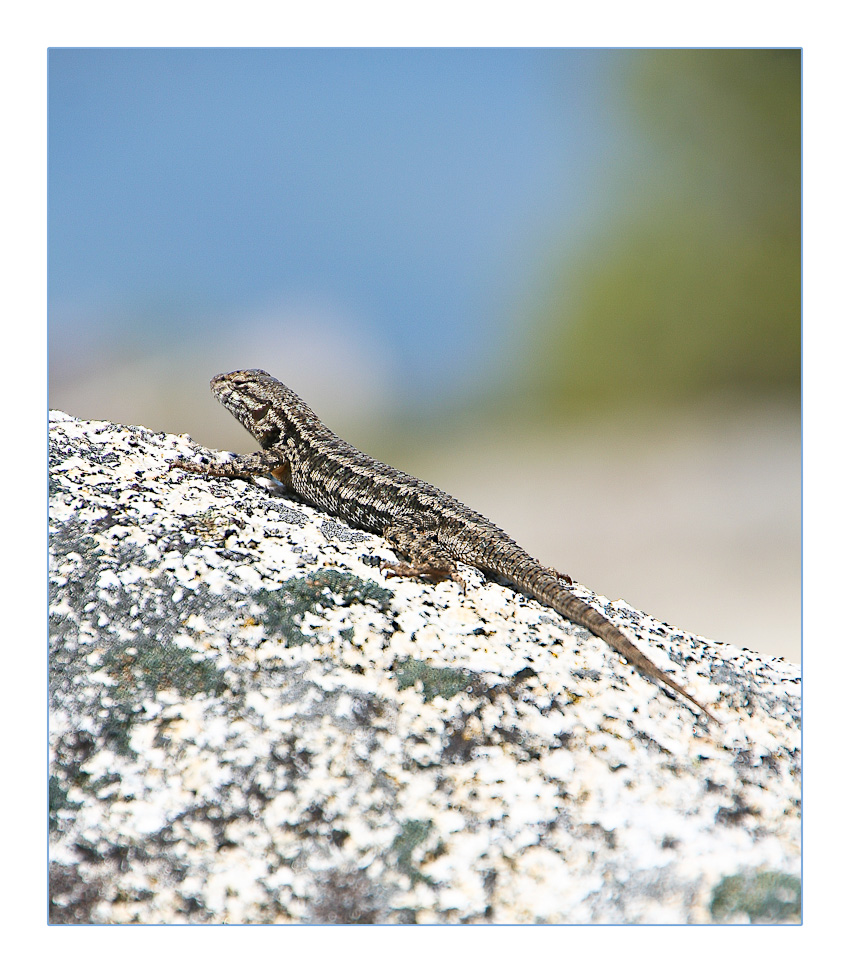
(426, 527)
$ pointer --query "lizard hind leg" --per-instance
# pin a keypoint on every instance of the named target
(420, 555)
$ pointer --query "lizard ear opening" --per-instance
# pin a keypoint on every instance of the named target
(271, 436)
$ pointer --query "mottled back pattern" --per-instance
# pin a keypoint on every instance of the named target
(427, 528)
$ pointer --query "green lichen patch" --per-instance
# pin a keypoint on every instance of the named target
(284, 608)
(148, 665)
(58, 801)
(412, 834)
(769, 896)
(445, 682)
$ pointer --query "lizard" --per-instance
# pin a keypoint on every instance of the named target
(428, 530)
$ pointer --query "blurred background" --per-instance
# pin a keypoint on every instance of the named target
(564, 285)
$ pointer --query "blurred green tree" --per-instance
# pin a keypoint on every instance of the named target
(693, 287)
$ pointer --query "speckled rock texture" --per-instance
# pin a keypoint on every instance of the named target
(249, 723)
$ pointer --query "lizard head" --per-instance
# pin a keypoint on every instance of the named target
(267, 409)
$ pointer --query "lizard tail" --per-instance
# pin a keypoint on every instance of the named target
(547, 588)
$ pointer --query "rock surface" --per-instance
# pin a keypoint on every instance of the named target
(249, 723)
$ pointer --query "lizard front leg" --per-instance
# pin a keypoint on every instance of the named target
(262, 463)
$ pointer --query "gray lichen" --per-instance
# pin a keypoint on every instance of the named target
(249, 723)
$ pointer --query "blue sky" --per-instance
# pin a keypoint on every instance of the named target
(415, 194)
